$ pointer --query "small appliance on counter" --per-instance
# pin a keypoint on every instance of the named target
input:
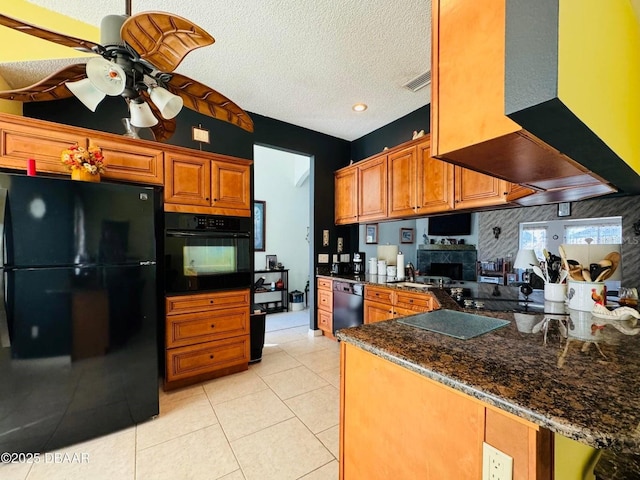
(341, 264)
(358, 263)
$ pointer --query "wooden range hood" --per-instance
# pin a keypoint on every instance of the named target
(495, 56)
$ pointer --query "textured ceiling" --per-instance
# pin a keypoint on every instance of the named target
(300, 62)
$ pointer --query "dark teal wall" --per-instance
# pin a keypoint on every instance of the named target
(392, 134)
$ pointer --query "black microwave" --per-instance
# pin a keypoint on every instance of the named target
(205, 253)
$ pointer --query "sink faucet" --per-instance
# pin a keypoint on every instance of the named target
(411, 272)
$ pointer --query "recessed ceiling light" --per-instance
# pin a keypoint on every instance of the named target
(359, 107)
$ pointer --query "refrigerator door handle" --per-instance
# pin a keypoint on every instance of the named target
(5, 341)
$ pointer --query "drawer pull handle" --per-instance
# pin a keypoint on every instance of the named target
(211, 356)
(211, 302)
(411, 300)
(213, 325)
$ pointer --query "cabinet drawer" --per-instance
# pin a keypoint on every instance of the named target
(201, 327)
(418, 302)
(384, 295)
(206, 301)
(186, 362)
(325, 321)
(325, 284)
(325, 300)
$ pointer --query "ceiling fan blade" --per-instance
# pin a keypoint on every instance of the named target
(163, 39)
(51, 88)
(164, 129)
(207, 101)
(59, 38)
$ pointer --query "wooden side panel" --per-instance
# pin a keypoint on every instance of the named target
(530, 447)
(468, 74)
(392, 424)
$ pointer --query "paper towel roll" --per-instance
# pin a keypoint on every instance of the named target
(388, 253)
(400, 266)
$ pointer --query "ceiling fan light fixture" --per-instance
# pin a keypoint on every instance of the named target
(106, 76)
(87, 93)
(141, 115)
(168, 103)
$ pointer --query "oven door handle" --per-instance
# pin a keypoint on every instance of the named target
(183, 234)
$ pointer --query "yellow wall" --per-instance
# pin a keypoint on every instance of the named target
(8, 106)
(32, 48)
(599, 71)
(573, 460)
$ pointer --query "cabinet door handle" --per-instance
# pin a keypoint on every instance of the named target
(211, 302)
(206, 198)
(211, 356)
(213, 325)
(215, 199)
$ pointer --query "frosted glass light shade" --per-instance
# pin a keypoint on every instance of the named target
(106, 76)
(87, 93)
(525, 259)
(168, 103)
(141, 115)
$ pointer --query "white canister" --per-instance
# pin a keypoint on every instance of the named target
(583, 295)
(373, 266)
(382, 267)
(391, 271)
(555, 292)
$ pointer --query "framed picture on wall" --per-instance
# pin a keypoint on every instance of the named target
(259, 225)
(371, 233)
(406, 235)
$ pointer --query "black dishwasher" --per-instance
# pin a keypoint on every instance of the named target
(348, 307)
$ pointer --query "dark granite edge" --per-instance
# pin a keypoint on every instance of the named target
(584, 435)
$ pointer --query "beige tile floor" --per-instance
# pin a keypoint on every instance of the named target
(278, 420)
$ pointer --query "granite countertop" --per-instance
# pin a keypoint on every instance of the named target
(578, 381)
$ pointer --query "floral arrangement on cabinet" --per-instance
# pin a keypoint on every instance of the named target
(89, 159)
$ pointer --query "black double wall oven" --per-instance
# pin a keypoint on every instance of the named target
(204, 253)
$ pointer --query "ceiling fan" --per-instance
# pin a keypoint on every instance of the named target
(135, 59)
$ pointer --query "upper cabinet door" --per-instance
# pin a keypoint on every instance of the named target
(187, 180)
(128, 162)
(346, 195)
(231, 188)
(434, 188)
(473, 189)
(372, 183)
(403, 180)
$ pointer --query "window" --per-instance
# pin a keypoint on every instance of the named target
(551, 234)
(599, 233)
(534, 237)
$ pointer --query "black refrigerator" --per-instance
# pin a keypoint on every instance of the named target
(79, 316)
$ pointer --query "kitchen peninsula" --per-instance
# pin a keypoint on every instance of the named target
(403, 387)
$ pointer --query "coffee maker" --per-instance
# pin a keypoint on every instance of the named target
(341, 264)
(358, 263)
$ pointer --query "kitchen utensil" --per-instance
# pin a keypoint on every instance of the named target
(563, 258)
(614, 258)
(563, 276)
(586, 275)
(538, 271)
(602, 274)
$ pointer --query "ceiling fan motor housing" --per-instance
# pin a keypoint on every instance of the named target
(110, 30)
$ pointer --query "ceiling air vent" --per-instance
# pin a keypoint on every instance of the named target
(420, 81)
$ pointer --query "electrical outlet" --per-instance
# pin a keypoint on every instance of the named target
(496, 465)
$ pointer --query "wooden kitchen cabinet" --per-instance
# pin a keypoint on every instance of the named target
(372, 189)
(206, 336)
(474, 190)
(346, 195)
(126, 159)
(424, 429)
(381, 303)
(209, 184)
(325, 306)
(418, 184)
